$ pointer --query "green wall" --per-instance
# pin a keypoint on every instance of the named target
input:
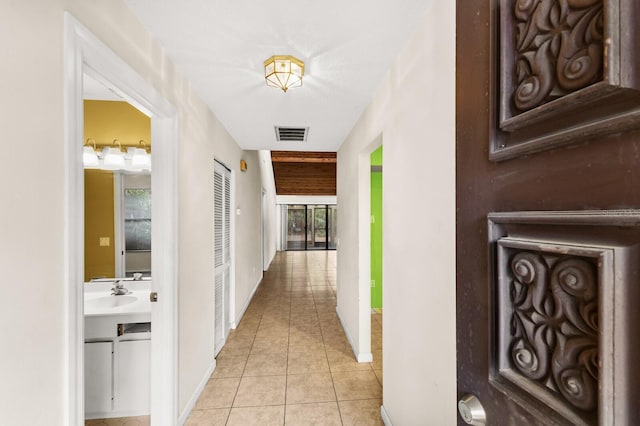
(376, 230)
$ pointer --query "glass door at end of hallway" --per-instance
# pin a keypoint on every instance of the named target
(311, 227)
(296, 227)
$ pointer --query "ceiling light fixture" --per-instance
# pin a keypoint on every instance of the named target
(137, 158)
(284, 72)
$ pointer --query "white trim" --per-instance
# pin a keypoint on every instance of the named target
(73, 225)
(232, 248)
(364, 251)
(282, 226)
(385, 416)
(115, 414)
(365, 357)
(235, 323)
(364, 247)
(263, 229)
(164, 266)
(231, 268)
(361, 357)
(306, 199)
(191, 403)
(118, 220)
(86, 54)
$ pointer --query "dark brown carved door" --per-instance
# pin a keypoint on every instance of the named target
(548, 231)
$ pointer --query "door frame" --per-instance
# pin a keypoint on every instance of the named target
(364, 353)
(84, 53)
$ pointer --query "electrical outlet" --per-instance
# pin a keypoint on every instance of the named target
(104, 242)
(373, 283)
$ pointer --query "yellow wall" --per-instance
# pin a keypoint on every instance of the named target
(99, 261)
(105, 121)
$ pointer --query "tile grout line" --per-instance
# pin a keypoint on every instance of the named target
(245, 364)
(295, 274)
(324, 346)
(286, 375)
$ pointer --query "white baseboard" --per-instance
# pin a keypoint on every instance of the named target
(361, 357)
(196, 394)
(266, 268)
(346, 332)
(116, 414)
(385, 416)
(235, 323)
(365, 357)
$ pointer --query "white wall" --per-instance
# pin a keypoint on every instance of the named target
(31, 223)
(248, 229)
(32, 306)
(413, 116)
(270, 213)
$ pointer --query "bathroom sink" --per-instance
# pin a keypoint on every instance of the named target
(105, 302)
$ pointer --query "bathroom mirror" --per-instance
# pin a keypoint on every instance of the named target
(117, 197)
(117, 224)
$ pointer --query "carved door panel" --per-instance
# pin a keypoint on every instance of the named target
(548, 202)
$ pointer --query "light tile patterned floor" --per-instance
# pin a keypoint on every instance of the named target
(289, 362)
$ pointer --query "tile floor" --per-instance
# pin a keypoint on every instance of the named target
(289, 362)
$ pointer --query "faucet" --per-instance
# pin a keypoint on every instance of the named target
(118, 289)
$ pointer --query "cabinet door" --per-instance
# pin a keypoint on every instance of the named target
(98, 377)
(133, 376)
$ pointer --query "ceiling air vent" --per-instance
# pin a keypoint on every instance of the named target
(291, 134)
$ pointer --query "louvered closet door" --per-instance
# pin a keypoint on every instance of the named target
(222, 240)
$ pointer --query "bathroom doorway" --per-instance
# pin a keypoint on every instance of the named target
(85, 55)
(376, 260)
(117, 257)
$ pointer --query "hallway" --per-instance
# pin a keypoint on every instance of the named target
(289, 362)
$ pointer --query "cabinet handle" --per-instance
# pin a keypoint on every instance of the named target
(153, 296)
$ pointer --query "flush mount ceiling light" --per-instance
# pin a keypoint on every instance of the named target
(284, 72)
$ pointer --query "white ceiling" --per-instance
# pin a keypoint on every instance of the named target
(220, 46)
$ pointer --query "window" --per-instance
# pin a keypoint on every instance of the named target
(137, 219)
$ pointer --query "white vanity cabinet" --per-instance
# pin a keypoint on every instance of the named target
(133, 376)
(117, 365)
(117, 350)
(98, 376)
